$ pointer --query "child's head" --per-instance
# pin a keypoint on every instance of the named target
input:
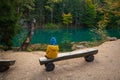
(53, 41)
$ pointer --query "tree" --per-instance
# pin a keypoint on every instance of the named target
(89, 14)
(113, 11)
(27, 8)
(11, 12)
(75, 8)
(67, 18)
(9, 22)
(39, 12)
(110, 13)
(27, 41)
(50, 6)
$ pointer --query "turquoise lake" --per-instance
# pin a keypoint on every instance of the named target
(63, 35)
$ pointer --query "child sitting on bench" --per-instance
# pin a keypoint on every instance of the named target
(52, 49)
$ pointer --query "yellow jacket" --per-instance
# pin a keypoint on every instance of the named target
(52, 51)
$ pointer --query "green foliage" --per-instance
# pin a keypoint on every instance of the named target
(9, 19)
(110, 12)
(75, 8)
(50, 11)
(19, 38)
(101, 32)
(28, 4)
(67, 18)
(39, 12)
(108, 15)
(9, 24)
(51, 26)
(84, 12)
(101, 28)
(89, 13)
(67, 37)
(101, 13)
(113, 9)
(50, 7)
(65, 47)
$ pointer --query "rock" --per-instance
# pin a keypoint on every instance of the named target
(75, 46)
(83, 43)
(80, 46)
(111, 38)
(72, 43)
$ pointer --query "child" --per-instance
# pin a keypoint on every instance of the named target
(52, 49)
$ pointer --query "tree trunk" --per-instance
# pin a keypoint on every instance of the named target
(51, 16)
(29, 37)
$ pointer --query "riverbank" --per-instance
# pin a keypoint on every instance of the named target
(105, 66)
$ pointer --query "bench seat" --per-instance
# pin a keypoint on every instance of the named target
(7, 62)
(69, 55)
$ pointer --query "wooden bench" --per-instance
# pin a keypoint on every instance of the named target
(88, 54)
(5, 64)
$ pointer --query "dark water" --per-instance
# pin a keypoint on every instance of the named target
(63, 35)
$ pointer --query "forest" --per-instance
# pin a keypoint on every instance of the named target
(56, 14)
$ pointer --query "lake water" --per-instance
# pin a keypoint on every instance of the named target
(63, 35)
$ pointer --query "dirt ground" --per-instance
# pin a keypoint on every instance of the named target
(106, 66)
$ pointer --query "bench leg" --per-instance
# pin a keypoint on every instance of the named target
(49, 66)
(3, 68)
(89, 58)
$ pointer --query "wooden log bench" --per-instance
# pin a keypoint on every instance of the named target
(5, 64)
(88, 54)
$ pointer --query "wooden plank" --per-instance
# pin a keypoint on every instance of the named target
(7, 62)
(69, 55)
